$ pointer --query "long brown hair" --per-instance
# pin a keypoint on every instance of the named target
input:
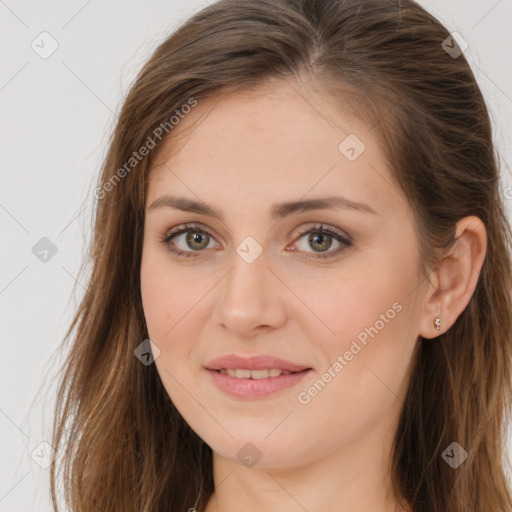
(123, 445)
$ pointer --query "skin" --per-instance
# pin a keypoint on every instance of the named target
(251, 150)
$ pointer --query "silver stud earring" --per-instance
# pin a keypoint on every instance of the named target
(437, 323)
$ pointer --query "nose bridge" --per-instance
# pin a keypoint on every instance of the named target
(249, 297)
(245, 283)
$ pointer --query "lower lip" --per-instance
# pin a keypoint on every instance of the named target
(256, 388)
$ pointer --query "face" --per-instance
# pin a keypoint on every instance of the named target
(331, 288)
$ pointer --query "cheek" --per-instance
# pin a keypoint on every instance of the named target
(176, 309)
(372, 318)
(171, 310)
(166, 298)
(157, 299)
(344, 305)
(364, 379)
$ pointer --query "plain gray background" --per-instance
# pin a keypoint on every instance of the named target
(56, 115)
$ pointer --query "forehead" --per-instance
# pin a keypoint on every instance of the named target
(271, 145)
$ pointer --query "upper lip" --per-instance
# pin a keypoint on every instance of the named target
(261, 362)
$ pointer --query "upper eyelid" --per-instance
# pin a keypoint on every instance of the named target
(321, 226)
(183, 228)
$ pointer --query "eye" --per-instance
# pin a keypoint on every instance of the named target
(320, 239)
(188, 239)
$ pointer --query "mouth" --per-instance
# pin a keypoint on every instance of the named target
(256, 376)
(247, 384)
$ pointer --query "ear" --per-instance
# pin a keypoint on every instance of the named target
(454, 281)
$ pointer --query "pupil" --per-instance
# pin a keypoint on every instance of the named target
(313, 240)
(195, 238)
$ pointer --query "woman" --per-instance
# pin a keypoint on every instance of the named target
(300, 291)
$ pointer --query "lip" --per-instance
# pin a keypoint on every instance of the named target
(260, 362)
(250, 389)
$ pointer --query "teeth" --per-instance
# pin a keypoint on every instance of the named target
(254, 374)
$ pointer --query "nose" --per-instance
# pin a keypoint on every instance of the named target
(250, 298)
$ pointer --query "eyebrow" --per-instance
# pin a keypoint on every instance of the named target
(278, 211)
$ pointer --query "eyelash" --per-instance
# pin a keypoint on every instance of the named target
(346, 241)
